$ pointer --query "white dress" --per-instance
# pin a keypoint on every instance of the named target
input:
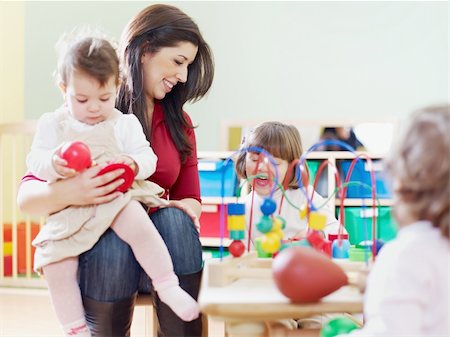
(407, 290)
(294, 224)
(76, 229)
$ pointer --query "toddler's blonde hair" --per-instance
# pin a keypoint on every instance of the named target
(280, 140)
(419, 167)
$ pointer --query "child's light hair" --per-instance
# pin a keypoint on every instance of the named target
(280, 140)
(88, 50)
(419, 167)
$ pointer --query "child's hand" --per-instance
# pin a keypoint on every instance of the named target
(127, 160)
(60, 166)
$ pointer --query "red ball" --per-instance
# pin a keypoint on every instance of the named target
(305, 275)
(77, 155)
(236, 248)
(127, 175)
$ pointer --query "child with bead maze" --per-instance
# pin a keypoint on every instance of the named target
(89, 77)
(282, 211)
(407, 291)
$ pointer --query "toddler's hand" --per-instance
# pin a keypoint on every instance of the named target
(60, 166)
(127, 160)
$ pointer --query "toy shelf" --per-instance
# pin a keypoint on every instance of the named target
(210, 216)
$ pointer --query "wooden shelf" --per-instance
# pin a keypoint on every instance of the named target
(214, 242)
(312, 155)
(366, 202)
(217, 200)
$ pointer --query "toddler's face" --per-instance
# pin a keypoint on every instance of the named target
(265, 169)
(89, 102)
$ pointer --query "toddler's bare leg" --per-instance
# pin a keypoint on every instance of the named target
(134, 226)
(65, 293)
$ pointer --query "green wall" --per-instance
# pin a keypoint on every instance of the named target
(291, 60)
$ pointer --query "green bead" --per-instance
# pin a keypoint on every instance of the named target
(338, 326)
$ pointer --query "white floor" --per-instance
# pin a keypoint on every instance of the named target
(25, 312)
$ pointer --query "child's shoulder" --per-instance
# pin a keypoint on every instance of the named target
(54, 116)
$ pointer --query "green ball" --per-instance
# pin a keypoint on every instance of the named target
(337, 326)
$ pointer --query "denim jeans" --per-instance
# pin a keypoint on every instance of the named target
(109, 271)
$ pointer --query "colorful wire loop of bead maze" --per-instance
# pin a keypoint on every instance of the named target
(272, 225)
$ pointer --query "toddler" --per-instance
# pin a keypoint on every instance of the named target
(283, 142)
(407, 290)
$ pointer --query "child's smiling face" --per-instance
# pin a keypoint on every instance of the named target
(256, 164)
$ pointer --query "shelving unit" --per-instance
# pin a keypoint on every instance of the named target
(211, 204)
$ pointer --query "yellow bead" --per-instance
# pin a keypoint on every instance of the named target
(236, 223)
(270, 243)
(303, 211)
(317, 221)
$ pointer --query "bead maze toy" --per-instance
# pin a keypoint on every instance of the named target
(272, 225)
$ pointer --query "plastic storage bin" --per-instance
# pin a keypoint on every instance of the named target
(313, 166)
(211, 172)
(358, 223)
(361, 174)
(210, 221)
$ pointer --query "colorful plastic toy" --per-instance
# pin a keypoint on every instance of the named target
(127, 176)
(305, 275)
(337, 326)
(77, 155)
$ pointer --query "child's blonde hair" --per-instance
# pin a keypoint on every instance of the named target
(280, 140)
(89, 51)
(419, 168)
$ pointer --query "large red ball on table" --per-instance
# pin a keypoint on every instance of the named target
(77, 155)
(305, 275)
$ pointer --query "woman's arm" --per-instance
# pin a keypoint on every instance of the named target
(37, 197)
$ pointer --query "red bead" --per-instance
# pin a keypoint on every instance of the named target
(236, 248)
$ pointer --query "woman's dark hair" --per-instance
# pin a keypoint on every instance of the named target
(156, 27)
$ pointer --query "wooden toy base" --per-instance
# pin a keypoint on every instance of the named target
(242, 293)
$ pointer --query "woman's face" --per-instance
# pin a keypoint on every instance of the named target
(164, 69)
(265, 169)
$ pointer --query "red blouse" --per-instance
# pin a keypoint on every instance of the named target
(180, 180)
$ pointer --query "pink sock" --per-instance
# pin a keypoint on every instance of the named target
(78, 328)
(175, 297)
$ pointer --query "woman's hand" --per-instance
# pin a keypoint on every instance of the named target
(87, 188)
(187, 209)
(39, 197)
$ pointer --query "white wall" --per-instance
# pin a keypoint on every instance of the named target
(279, 60)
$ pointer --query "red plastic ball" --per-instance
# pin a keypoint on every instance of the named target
(127, 175)
(77, 155)
(236, 248)
(304, 275)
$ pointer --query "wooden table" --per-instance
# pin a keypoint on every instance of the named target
(244, 296)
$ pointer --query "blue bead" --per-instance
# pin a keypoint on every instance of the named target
(268, 206)
(236, 209)
(340, 251)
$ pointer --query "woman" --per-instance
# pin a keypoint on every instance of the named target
(166, 63)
